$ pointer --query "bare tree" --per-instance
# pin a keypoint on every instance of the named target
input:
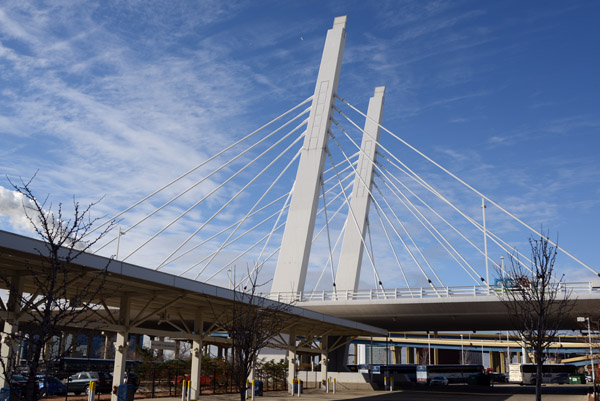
(537, 302)
(58, 295)
(252, 323)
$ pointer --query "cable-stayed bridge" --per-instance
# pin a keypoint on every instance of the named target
(335, 211)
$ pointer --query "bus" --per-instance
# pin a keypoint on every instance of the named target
(66, 366)
(525, 373)
(407, 373)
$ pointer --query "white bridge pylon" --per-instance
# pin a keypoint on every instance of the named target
(353, 245)
(292, 265)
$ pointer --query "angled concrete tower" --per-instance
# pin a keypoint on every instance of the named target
(290, 274)
(348, 271)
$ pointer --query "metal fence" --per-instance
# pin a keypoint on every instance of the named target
(592, 287)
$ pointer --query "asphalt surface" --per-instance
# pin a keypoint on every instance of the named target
(450, 393)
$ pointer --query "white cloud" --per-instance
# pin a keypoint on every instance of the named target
(12, 206)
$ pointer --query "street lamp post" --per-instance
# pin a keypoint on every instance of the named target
(583, 319)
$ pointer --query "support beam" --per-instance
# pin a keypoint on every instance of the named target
(8, 335)
(197, 355)
(351, 254)
(324, 359)
(525, 355)
(121, 344)
(291, 359)
(292, 265)
(397, 354)
(410, 355)
(436, 351)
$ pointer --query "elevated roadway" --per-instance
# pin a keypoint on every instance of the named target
(435, 309)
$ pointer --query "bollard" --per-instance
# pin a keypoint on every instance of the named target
(385, 386)
(292, 387)
(189, 390)
(91, 391)
(327, 386)
(253, 389)
(392, 383)
(184, 390)
(334, 385)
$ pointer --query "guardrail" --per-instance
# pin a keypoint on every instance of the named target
(416, 293)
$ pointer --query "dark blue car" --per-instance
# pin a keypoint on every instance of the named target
(50, 385)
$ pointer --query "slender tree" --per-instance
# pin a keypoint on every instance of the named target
(252, 323)
(58, 294)
(537, 302)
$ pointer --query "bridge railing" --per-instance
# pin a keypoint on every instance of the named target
(418, 293)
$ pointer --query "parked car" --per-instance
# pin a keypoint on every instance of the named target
(18, 381)
(439, 381)
(50, 385)
(79, 382)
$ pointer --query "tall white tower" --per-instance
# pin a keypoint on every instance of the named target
(351, 254)
(290, 274)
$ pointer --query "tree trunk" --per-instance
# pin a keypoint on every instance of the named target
(242, 393)
(539, 377)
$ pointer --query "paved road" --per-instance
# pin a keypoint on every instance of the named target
(420, 395)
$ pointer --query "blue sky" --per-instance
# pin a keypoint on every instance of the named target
(115, 98)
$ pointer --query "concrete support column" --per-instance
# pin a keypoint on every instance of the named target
(436, 351)
(397, 353)
(159, 352)
(502, 362)
(525, 354)
(291, 359)
(197, 355)
(494, 361)
(177, 348)
(8, 350)
(410, 355)
(48, 349)
(324, 359)
(11, 327)
(121, 344)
